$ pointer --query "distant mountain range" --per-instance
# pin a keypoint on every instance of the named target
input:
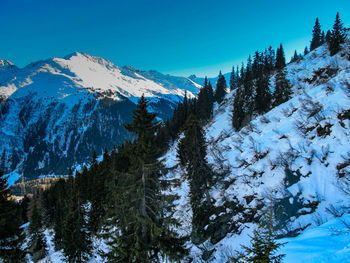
(56, 112)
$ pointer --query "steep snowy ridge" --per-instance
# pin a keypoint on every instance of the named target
(297, 155)
(56, 112)
(7, 70)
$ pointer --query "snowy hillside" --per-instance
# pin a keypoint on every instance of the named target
(56, 112)
(297, 155)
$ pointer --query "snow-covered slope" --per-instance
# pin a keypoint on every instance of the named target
(56, 112)
(298, 155)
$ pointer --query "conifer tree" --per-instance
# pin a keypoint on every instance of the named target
(76, 238)
(248, 92)
(306, 51)
(192, 155)
(337, 36)
(282, 90)
(238, 112)
(328, 36)
(38, 247)
(316, 36)
(264, 246)
(211, 98)
(60, 195)
(11, 237)
(205, 101)
(323, 38)
(280, 58)
(243, 103)
(295, 57)
(145, 224)
(262, 77)
(98, 194)
(221, 87)
(233, 79)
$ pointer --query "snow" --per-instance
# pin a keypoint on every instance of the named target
(329, 243)
(95, 74)
(281, 140)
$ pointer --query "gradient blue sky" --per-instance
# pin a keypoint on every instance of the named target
(176, 37)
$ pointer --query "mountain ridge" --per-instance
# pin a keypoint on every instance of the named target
(62, 108)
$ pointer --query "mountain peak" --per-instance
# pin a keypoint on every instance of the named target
(83, 57)
(6, 64)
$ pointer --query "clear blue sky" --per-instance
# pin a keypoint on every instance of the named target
(171, 36)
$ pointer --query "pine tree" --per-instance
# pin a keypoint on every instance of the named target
(323, 38)
(38, 247)
(205, 101)
(261, 75)
(282, 90)
(280, 58)
(337, 36)
(233, 79)
(60, 195)
(145, 220)
(192, 155)
(98, 193)
(220, 90)
(328, 36)
(11, 237)
(238, 114)
(316, 36)
(295, 57)
(243, 104)
(264, 246)
(76, 238)
(306, 51)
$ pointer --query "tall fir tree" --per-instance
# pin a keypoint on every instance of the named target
(243, 103)
(205, 101)
(316, 36)
(98, 193)
(295, 57)
(145, 225)
(220, 90)
(233, 79)
(282, 90)
(76, 237)
(262, 90)
(337, 36)
(60, 195)
(11, 238)
(328, 37)
(280, 58)
(238, 114)
(37, 247)
(323, 38)
(192, 155)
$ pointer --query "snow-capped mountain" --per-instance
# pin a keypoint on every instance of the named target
(297, 154)
(56, 112)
